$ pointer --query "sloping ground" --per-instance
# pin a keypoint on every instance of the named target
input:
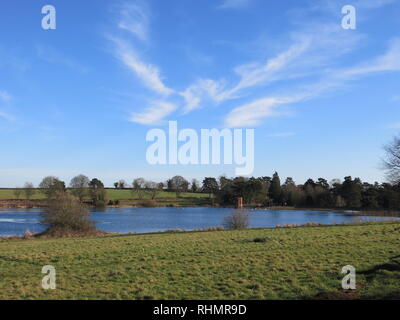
(112, 194)
(124, 197)
(285, 263)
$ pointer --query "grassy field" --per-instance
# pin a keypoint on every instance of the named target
(8, 194)
(112, 194)
(116, 194)
(283, 263)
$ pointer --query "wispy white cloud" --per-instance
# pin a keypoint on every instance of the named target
(390, 61)
(251, 75)
(309, 53)
(251, 114)
(153, 114)
(147, 73)
(192, 98)
(203, 89)
(257, 74)
(234, 4)
(134, 18)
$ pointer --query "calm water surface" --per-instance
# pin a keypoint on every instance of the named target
(143, 220)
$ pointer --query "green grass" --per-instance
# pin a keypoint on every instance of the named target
(112, 194)
(117, 194)
(289, 263)
(8, 194)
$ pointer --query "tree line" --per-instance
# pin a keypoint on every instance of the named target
(349, 193)
(269, 191)
(260, 191)
(256, 191)
(80, 187)
(94, 190)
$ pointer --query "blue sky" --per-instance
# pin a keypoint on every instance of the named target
(80, 99)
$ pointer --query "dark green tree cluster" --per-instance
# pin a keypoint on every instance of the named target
(268, 191)
(97, 193)
(252, 190)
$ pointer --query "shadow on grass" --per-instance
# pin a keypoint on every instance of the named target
(393, 265)
(338, 295)
(373, 275)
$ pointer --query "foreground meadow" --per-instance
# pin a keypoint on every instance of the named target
(283, 263)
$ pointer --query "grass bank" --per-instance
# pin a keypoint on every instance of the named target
(284, 263)
(112, 194)
(124, 197)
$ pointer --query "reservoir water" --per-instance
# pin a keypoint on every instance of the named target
(145, 220)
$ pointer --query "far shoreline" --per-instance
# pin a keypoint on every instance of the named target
(167, 203)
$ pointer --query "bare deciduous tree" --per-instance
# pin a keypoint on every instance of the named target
(392, 160)
(238, 219)
(178, 184)
(154, 188)
(138, 186)
(50, 185)
(195, 185)
(17, 193)
(79, 185)
(29, 190)
(122, 184)
(65, 214)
